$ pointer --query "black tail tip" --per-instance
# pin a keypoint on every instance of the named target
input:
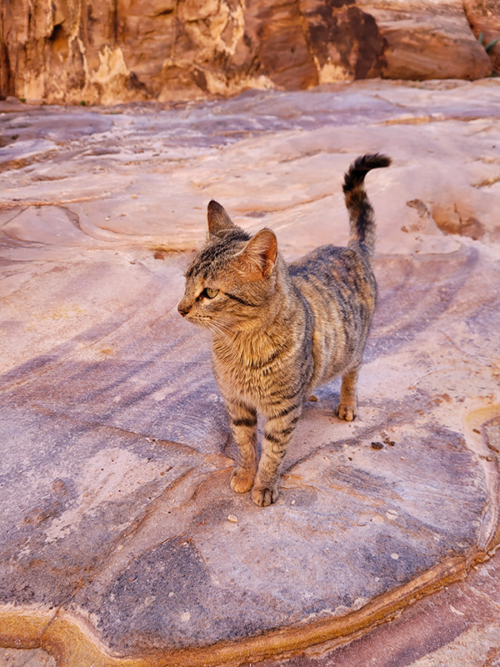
(361, 166)
(375, 161)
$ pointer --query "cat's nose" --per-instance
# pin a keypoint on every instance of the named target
(183, 308)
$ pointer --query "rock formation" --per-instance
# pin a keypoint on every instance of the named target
(121, 543)
(484, 17)
(111, 51)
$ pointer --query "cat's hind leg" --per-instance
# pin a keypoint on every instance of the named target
(347, 407)
(243, 419)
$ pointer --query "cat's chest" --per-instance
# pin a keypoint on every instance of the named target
(240, 374)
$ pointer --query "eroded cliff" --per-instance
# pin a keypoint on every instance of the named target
(111, 51)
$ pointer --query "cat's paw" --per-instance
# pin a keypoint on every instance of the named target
(242, 480)
(264, 495)
(346, 412)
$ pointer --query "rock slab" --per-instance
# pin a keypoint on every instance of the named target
(121, 540)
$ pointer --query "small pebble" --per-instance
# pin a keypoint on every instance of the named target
(476, 430)
(377, 445)
(394, 556)
(232, 518)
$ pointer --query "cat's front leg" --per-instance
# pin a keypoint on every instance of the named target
(277, 434)
(346, 409)
(243, 419)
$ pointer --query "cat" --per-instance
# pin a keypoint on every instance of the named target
(279, 330)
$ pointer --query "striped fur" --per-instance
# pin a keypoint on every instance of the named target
(278, 330)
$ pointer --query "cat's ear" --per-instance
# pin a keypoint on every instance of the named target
(218, 219)
(258, 257)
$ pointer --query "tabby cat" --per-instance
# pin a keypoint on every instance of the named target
(279, 330)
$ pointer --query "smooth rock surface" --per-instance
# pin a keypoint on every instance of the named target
(458, 626)
(120, 51)
(121, 540)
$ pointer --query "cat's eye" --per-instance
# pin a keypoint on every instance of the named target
(210, 293)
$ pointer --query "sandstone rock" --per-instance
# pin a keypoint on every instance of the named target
(115, 539)
(428, 40)
(121, 51)
(484, 17)
(455, 627)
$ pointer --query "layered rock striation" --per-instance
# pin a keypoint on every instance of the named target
(113, 51)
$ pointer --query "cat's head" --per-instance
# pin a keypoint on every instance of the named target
(231, 277)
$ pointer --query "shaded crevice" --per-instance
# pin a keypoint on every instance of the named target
(73, 218)
(114, 23)
(6, 74)
(165, 12)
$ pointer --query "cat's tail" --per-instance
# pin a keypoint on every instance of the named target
(360, 211)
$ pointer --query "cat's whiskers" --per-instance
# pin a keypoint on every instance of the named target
(230, 334)
(215, 328)
(224, 327)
